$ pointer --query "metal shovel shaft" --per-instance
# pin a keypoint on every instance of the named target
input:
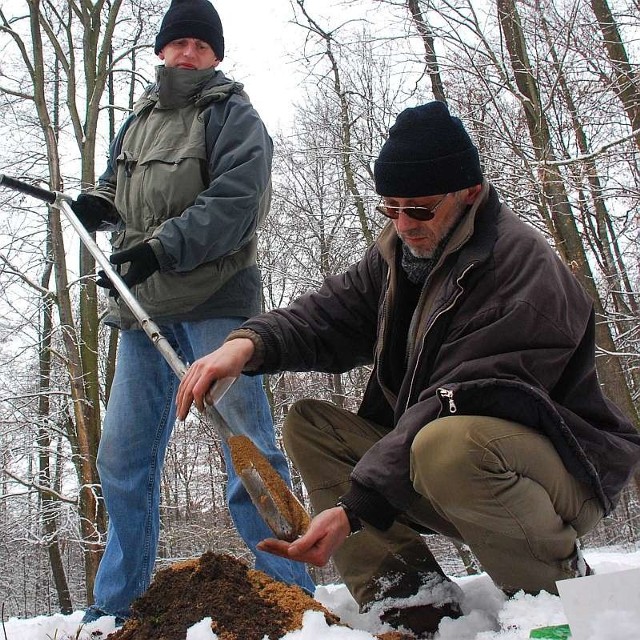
(62, 202)
(260, 494)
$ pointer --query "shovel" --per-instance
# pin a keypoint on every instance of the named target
(273, 499)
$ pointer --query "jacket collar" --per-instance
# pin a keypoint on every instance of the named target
(175, 88)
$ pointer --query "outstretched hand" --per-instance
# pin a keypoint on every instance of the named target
(325, 535)
(226, 362)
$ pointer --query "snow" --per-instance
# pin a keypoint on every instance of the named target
(488, 614)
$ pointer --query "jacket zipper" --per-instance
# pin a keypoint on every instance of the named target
(448, 395)
(435, 318)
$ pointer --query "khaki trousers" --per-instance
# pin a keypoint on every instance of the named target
(496, 485)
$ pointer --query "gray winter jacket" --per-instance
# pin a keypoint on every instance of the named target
(189, 172)
(502, 328)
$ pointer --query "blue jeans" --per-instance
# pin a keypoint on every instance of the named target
(138, 423)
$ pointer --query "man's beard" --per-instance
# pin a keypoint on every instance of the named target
(418, 252)
(426, 253)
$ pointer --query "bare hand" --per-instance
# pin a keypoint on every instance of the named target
(325, 535)
(227, 361)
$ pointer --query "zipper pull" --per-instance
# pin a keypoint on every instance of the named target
(448, 394)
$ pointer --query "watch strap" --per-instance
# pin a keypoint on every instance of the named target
(354, 522)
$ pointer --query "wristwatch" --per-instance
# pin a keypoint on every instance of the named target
(354, 522)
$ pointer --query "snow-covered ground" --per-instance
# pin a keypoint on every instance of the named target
(488, 616)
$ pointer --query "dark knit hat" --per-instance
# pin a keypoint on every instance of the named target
(191, 19)
(428, 152)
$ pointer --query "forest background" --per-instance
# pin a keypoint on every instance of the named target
(550, 92)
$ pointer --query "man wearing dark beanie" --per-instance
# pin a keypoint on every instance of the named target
(483, 419)
(187, 184)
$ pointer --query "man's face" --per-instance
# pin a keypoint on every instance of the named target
(423, 237)
(189, 53)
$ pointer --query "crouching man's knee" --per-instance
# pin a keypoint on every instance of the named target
(443, 458)
(299, 423)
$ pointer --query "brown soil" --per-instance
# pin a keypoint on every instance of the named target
(243, 603)
(245, 455)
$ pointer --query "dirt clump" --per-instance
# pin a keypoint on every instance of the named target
(243, 604)
(245, 456)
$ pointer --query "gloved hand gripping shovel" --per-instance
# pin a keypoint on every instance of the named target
(273, 499)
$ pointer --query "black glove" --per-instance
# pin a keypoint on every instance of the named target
(143, 263)
(92, 211)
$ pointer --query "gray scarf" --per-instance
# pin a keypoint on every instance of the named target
(177, 87)
(417, 269)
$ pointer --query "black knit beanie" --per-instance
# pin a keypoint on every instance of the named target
(191, 19)
(428, 152)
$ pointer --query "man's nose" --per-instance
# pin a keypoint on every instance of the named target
(404, 222)
(190, 49)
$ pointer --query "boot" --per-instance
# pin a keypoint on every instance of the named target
(422, 620)
(419, 608)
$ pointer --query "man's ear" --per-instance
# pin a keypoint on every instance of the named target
(161, 54)
(473, 193)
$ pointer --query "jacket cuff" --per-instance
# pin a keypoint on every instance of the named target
(258, 347)
(111, 217)
(370, 506)
(165, 261)
(267, 346)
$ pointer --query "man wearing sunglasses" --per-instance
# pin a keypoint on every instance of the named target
(483, 419)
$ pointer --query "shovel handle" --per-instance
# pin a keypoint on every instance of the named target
(28, 189)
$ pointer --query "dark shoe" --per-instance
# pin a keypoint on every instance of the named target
(93, 613)
(422, 620)
(422, 611)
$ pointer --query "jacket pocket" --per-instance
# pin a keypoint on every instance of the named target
(160, 184)
(128, 183)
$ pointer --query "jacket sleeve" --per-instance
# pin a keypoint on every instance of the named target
(332, 329)
(224, 217)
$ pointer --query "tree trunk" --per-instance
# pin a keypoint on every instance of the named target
(469, 561)
(625, 77)
(48, 503)
(431, 60)
(563, 227)
(347, 150)
(80, 337)
(605, 243)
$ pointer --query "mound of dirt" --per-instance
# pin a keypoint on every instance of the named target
(244, 604)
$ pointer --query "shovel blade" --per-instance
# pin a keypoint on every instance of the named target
(273, 499)
(266, 505)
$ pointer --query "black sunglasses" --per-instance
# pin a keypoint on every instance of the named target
(417, 213)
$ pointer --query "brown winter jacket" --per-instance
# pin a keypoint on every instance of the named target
(502, 329)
